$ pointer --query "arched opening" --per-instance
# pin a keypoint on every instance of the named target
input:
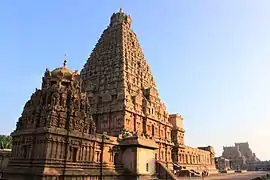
(147, 167)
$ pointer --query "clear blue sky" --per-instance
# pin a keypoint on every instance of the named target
(210, 59)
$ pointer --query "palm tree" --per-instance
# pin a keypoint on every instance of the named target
(5, 142)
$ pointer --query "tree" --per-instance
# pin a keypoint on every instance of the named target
(5, 142)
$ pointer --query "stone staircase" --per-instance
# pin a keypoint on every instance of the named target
(163, 172)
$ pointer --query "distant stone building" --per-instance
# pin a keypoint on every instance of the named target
(223, 164)
(61, 133)
(258, 166)
(239, 155)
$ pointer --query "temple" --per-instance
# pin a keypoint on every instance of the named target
(107, 122)
(240, 156)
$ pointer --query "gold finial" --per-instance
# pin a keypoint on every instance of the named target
(120, 10)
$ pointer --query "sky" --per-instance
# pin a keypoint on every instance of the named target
(210, 59)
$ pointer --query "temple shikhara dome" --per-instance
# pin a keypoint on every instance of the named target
(63, 72)
(120, 18)
(106, 122)
(61, 75)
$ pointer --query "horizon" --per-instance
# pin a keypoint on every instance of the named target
(210, 60)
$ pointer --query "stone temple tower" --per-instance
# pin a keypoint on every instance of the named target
(123, 90)
(52, 129)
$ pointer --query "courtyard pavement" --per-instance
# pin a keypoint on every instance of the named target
(234, 176)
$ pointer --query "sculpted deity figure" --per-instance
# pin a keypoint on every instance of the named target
(36, 97)
(124, 133)
(47, 72)
(76, 104)
(54, 87)
(87, 105)
(55, 99)
(63, 99)
(82, 104)
(76, 124)
(86, 128)
(47, 121)
(92, 128)
(76, 86)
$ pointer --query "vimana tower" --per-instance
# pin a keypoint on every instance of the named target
(107, 122)
(122, 88)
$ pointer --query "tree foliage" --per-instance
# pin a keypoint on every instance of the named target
(5, 142)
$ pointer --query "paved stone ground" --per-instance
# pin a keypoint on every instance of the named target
(234, 176)
(238, 176)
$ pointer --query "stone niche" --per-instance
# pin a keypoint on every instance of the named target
(138, 156)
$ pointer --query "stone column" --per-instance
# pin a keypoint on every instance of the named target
(49, 149)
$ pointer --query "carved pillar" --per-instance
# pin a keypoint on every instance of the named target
(49, 149)
(166, 154)
(35, 149)
(90, 152)
(53, 149)
(183, 158)
(144, 124)
(42, 149)
(87, 153)
(134, 122)
(61, 150)
(93, 151)
(82, 153)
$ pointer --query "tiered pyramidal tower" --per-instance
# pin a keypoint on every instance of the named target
(124, 94)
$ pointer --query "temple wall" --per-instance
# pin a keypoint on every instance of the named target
(223, 164)
(146, 161)
(194, 158)
(5, 155)
(129, 159)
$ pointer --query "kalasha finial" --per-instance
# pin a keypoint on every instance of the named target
(65, 61)
(120, 10)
